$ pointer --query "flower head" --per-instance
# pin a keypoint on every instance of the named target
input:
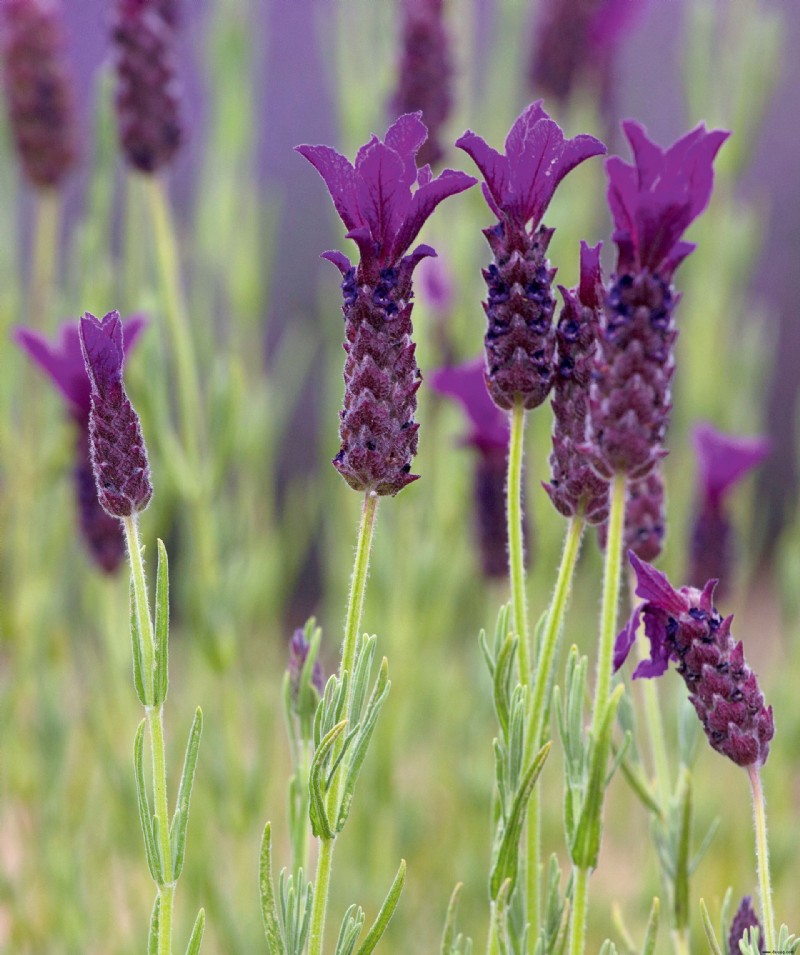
(655, 198)
(723, 460)
(466, 385)
(299, 648)
(684, 626)
(119, 457)
(744, 919)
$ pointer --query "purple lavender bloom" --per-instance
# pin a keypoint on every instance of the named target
(488, 435)
(39, 91)
(298, 654)
(684, 626)
(63, 363)
(518, 187)
(425, 72)
(383, 216)
(653, 201)
(574, 487)
(119, 457)
(744, 919)
(148, 97)
(723, 460)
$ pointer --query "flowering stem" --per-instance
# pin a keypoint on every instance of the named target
(355, 606)
(535, 730)
(45, 251)
(516, 557)
(762, 857)
(580, 887)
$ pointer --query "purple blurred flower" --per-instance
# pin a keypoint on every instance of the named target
(119, 457)
(383, 216)
(466, 385)
(63, 363)
(426, 72)
(436, 285)
(645, 517)
(574, 487)
(39, 89)
(518, 187)
(723, 460)
(684, 626)
(653, 200)
(298, 654)
(744, 919)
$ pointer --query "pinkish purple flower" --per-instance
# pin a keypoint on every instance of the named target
(466, 385)
(63, 363)
(119, 457)
(518, 187)
(685, 627)
(298, 654)
(645, 517)
(744, 919)
(383, 213)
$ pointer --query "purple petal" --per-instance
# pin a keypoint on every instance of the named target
(493, 166)
(655, 588)
(384, 196)
(465, 384)
(591, 283)
(339, 176)
(656, 632)
(63, 362)
(101, 341)
(724, 459)
(339, 259)
(424, 201)
(626, 638)
(405, 136)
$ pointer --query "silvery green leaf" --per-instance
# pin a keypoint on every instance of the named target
(386, 912)
(180, 820)
(622, 930)
(363, 665)
(295, 897)
(136, 650)
(635, 778)
(269, 911)
(711, 935)
(483, 643)
(352, 923)
(651, 932)
(516, 734)
(707, 840)
(150, 846)
(787, 942)
(502, 629)
(152, 938)
(317, 810)
(453, 944)
(749, 942)
(501, 681)
(618, 753)
(161, 661)
(196, 938)
(608, 948)
(725, 918)
(681, 881)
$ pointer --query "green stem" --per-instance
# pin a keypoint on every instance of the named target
(680, 942)
(577, 930)
(516, 555)
(141, 602)
(355, 607)
(45, 255)
(535, 730)
(762, 857)
(493, 944)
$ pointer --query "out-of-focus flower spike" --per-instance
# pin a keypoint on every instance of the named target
(645, 517)
(39, 89)
(744, 919)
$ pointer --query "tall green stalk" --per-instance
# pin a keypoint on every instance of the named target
(516, 553)
(42, 278)
(355, 606)
(762, 857)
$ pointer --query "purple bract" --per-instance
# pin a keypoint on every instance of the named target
(465, 384)
(744, 919)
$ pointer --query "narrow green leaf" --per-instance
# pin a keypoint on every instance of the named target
(151, 851)
(386, 912)
(483, 643)
(269, 911)
(196, 937)
(725, 918)
(639, 785)
(501, 682)
(180, 820)
(707, 840)
(449, 933)
(684, 846)
(618, 753)
(152, 938)
(499, 916)
(317, 810)
(352, 924)
(622, 929)
(156, 830)
(161, 674)
(651, 933)
(361, 672)
(504, 869)
(711, 935)
(136, 650)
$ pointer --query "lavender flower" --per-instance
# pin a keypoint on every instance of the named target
(653, 201)
(488, 435)
(425, 72)
(723, 460)
(744, 919)
(39, 91)
(298, 654)
(684, 626)
(119, 457)
(383, 217)
(63, 363)
(574, 487)
(518, 187)
(148, 97)
(645, 519)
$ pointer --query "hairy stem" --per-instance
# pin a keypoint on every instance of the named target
(577, 934)
(762, 857)
(516, 555)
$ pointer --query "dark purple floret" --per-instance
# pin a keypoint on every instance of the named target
(744, 919)
(574, 486)
(383, 216)
(39, 92)
(102, 532)
(425, 72)
(148, 97)
(723, 460)
(119, 457)
(298, 654)
(518, 186)
(685, 627)
(645, 517)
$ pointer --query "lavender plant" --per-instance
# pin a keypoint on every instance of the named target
(122, 478)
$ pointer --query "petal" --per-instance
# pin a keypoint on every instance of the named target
(339, 175)
(724, 459)
(383, 194)
(465, 384)
(655, 588)
(101, 341)
(655, 629)
(339, 259)
(591, 282)
(405, 136)
(626, 638)
(63, 362)
(493, 166)
(424, 201)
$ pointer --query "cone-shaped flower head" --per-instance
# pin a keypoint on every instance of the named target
(684, 626)
(744, 919)
(119, 457)
(425, 73)
(722, 461)
(299, 648)
(63, 363)
(653, 201)
(38, 89)
(518, 186)
(383, 213)
(148, 97)
(574, 486)
(488, 435)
